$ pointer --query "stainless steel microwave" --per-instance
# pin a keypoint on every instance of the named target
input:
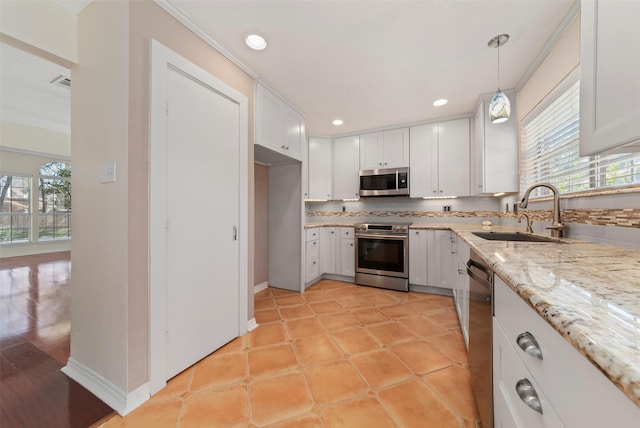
(384, 182)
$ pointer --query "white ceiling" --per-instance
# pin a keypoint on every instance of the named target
(381, 63)
(373, 64)
(27, 95)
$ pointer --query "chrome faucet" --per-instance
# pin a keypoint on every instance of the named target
(529, 222)
(556, 227)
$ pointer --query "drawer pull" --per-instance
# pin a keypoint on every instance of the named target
(529, 344)
(528, 395)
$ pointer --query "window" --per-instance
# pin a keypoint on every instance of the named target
(15, 203)
(549, 149)
(54, 203)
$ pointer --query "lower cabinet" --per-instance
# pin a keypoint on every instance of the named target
(330, 250)
(442, 262)
(418, 257)
(531, 356)
(347, 256)
(432, 259)
(312, 255)
(328, 241)
(461, 287)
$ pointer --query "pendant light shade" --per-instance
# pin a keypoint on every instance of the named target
(500, 107)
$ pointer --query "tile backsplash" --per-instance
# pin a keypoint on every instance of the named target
(586, 218)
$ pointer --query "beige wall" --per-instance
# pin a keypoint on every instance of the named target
(99, 134)
(563, 58)
(110, 111)
(42, 27)
(22, 137)
(261, 227)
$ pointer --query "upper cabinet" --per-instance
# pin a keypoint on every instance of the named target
(345, 167)
(278, 126)
(320, 168)
(609, 76)
(388, 149)
(494, 151)
(440, 159)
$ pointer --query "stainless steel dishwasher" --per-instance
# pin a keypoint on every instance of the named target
(480, 336)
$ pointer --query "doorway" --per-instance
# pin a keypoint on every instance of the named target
(198, 184)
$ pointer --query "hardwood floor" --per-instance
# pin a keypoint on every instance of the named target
(34, 345)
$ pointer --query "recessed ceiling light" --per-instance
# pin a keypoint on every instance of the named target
(337, 122)
(255, 42)
(440, 102)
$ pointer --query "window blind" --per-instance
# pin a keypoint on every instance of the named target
(549, 149)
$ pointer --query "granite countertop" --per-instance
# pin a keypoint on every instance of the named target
(589, 293)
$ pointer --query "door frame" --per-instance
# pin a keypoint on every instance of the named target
(162, 58)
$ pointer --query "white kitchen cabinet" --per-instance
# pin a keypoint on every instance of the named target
(461, 286)
(388, 149)
(312, 255)
(347, 258)
(609, 82)
(439, 164)
(320, 168)
(337, 251)
(278, 126)
(570, 385)
(346, 164)
(508, 370)
(328, 250)
(418, 257)
(441, 260)
(494, 151)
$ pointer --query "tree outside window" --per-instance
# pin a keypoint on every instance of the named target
(54, 202)
(15, 208)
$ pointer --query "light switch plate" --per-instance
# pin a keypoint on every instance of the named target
(108, 173)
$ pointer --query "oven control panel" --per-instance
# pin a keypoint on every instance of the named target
(382, 228)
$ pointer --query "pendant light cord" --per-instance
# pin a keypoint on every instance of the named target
(498, 63)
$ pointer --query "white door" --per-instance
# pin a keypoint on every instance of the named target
(202, 212)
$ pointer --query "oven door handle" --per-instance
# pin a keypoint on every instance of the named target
(485, 280)
(394, 237)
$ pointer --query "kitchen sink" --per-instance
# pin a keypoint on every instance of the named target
(515, 236)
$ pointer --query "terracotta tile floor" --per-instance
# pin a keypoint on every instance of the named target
(339, 355)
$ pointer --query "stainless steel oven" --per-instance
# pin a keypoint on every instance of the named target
(480, 336)
(382, 255)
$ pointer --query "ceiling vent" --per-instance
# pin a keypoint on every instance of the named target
(62, 81)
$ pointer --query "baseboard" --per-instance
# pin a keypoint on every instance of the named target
(252, 324)
(258, 288)
(119, 400)
(431, 290)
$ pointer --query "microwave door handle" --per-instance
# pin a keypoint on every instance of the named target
(397, 178)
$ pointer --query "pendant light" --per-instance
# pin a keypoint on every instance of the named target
(500, 107)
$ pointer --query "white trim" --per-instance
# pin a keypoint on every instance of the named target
(36, 153)
(174, 11)
(161, 59)
(119, 400)
(252, 324)
(260, 287)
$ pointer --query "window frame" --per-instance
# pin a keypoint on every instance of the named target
(43, 215)
(28, 214)
(592, 172)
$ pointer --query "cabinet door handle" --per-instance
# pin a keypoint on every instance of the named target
(529, 344)
(528, 395)
(351, 244)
